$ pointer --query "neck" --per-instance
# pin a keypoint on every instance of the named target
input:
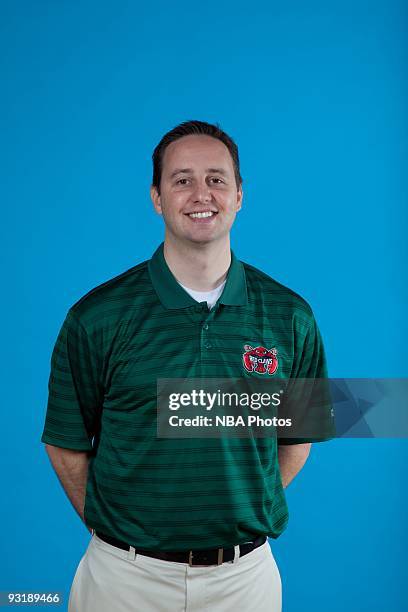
(201, 267)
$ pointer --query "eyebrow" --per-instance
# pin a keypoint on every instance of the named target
(190, 171)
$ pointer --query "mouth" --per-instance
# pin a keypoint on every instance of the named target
(202, 214)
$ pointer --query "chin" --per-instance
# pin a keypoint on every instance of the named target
(201, 240)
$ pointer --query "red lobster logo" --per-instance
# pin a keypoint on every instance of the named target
(260, 359)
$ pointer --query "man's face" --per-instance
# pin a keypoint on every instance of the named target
(199, 196)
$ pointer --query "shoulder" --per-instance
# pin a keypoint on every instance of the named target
(112, 297)
(262, 287)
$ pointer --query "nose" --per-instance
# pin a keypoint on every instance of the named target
(201, 192)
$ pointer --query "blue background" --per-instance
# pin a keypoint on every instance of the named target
(315, 96)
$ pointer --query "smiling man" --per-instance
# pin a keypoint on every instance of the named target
(178, 524)
(199, 194)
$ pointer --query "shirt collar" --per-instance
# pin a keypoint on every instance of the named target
(172, 295)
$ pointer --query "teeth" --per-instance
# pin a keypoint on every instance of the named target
(200, 215)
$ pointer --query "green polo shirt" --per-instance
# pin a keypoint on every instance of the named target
(115, 342)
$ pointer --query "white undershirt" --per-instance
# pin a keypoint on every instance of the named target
(206, 296)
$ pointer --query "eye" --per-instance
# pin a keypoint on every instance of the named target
(214, 178)
(181, 181)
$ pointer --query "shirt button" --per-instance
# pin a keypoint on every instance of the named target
(207, 345)
(205, 326)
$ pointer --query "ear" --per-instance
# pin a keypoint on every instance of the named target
(154, 194)
(240, 195)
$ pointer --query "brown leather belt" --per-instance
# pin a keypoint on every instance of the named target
(213, 556)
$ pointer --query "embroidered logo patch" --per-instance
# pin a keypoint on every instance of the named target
(259, 359)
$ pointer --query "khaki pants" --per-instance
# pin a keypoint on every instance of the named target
(109, 579)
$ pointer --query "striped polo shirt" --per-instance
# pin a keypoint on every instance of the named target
(115, 342)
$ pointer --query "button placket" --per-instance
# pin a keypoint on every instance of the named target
(205, 336)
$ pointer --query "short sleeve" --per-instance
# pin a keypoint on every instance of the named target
(310, 363)
(74, 392)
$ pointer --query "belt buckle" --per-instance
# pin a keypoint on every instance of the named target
(219, 560)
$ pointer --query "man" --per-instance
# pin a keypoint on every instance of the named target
(177, 524)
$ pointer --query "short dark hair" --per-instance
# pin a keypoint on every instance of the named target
(185, 129)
